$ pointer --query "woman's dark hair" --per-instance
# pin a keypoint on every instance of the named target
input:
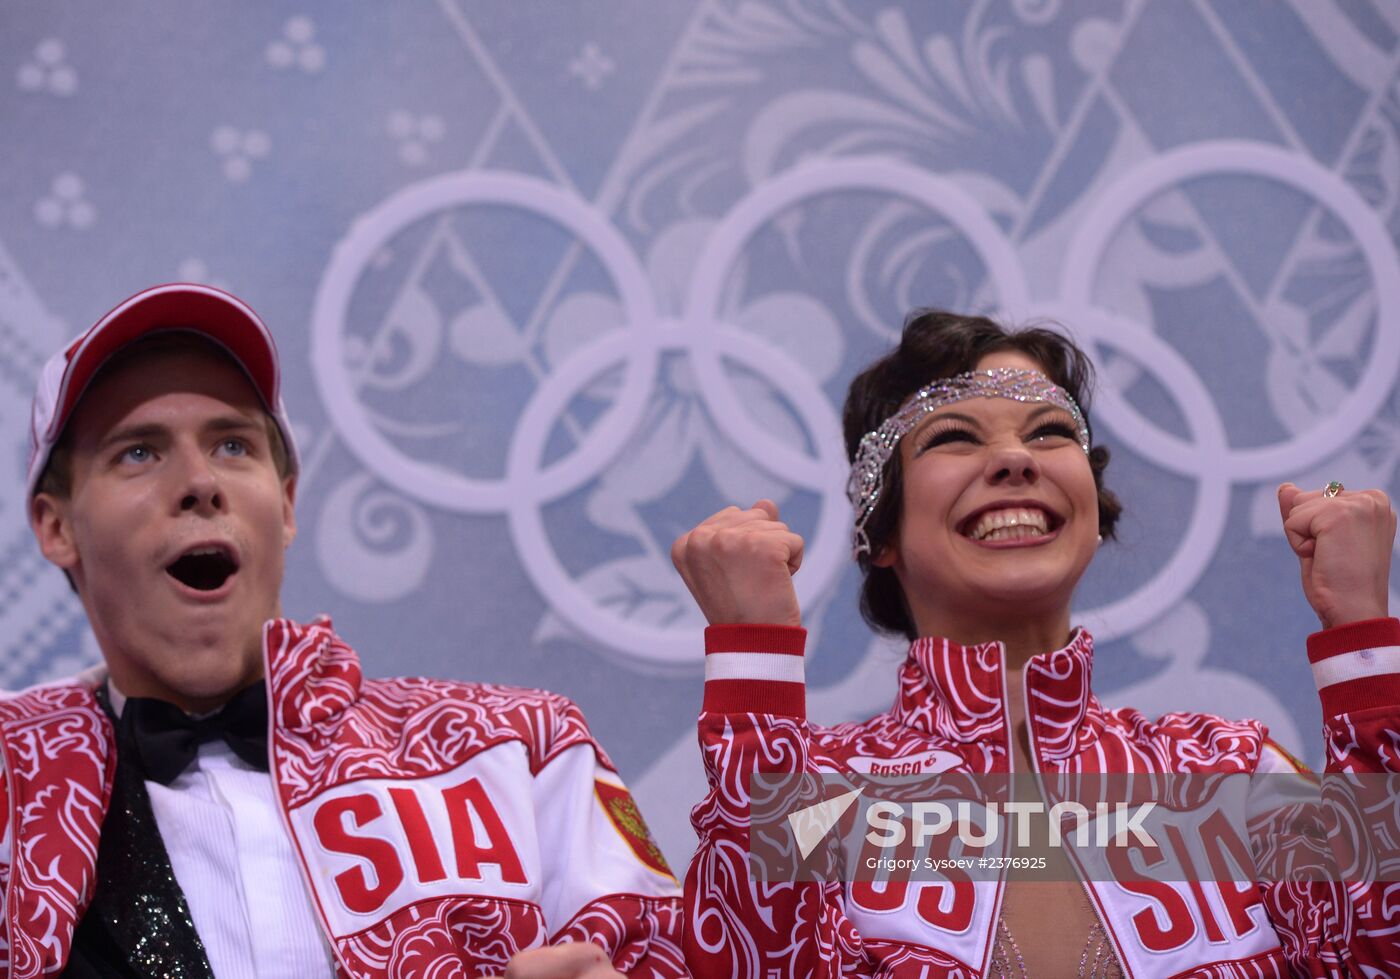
(938, 344)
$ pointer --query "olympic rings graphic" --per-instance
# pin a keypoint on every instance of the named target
(701, 335)
(671, 648)
(1270, 162)
(425, 481)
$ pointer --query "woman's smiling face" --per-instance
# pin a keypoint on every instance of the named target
(999, 512)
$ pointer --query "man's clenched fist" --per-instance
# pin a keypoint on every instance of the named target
(739, 566)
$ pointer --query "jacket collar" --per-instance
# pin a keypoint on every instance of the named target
(956, 692)
(312, 675)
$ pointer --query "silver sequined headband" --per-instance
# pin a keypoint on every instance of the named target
(873, 453)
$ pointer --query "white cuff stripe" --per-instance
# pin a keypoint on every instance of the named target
(754, 666)
(1356, 665)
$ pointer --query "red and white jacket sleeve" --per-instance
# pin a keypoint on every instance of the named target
(606, 880)
(754, 720)
(1349, 927)
(1357, 669)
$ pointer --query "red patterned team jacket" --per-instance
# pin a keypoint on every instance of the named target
(441, 827)
(951, 715)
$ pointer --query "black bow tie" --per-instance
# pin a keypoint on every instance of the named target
(164, 739)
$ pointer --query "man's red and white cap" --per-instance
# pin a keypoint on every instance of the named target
(179, 306)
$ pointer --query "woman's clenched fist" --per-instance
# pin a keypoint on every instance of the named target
(1344, 546)
(739, 566)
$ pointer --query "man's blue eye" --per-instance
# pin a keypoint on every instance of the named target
(136, 453)
(235, 447)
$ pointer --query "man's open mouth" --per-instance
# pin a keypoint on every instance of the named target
(203, 568)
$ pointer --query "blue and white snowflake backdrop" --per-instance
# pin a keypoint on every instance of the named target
(554, 281)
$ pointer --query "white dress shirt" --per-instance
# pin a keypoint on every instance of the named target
(233, 858)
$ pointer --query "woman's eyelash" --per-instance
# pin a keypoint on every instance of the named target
(1056, 428)
(942, 436)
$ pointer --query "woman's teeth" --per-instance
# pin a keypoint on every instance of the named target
(1013, 533)
(1010, 525)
